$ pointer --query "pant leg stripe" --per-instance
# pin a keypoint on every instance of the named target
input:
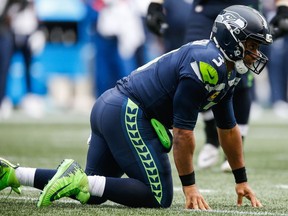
(142, 150)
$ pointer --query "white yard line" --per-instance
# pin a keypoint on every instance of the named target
(65, 200)
(176, 189)
(240, 212)
(210, 211)
(282, 186)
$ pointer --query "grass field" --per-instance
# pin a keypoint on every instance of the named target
(45, 142)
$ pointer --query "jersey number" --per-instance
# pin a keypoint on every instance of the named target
(219, 62)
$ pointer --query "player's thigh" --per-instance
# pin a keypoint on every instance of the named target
(99, 159)
(131, 139)
(136, 147)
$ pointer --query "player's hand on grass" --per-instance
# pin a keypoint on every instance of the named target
(194, 200)
(244, 190)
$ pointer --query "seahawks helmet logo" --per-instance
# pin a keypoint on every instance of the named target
(233, 19)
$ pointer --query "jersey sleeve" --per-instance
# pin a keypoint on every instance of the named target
(224, 113)
(187, 103)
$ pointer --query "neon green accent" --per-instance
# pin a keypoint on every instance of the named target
(162, 133)
(8, 177)
(250, 78)
(142, 150)
(69, 180)
(209, 105)
(209, 73)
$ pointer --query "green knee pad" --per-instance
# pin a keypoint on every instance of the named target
(164, 134)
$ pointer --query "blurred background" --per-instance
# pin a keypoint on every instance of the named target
(61, 55)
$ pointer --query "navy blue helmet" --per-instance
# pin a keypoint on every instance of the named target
(232, 27)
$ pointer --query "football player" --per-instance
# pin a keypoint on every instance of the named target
(201, 18)
(130, 123)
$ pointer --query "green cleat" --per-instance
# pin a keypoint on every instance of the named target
(69, 181)
(8, 177)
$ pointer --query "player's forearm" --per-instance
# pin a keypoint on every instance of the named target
(183, 150)
(231, 143)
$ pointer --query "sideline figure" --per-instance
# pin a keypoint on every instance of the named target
(129, 123)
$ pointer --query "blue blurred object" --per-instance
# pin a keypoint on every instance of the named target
(65, 52)
(64, 10)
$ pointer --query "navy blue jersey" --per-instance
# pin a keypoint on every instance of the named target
(199, 25)
(175, 87)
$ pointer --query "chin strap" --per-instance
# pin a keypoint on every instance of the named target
(241, 67)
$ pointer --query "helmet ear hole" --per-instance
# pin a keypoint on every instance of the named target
(230, 46)
(226, 37)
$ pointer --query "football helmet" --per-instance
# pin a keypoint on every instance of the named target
(232, 27)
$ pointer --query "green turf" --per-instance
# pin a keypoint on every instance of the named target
(44, 143)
